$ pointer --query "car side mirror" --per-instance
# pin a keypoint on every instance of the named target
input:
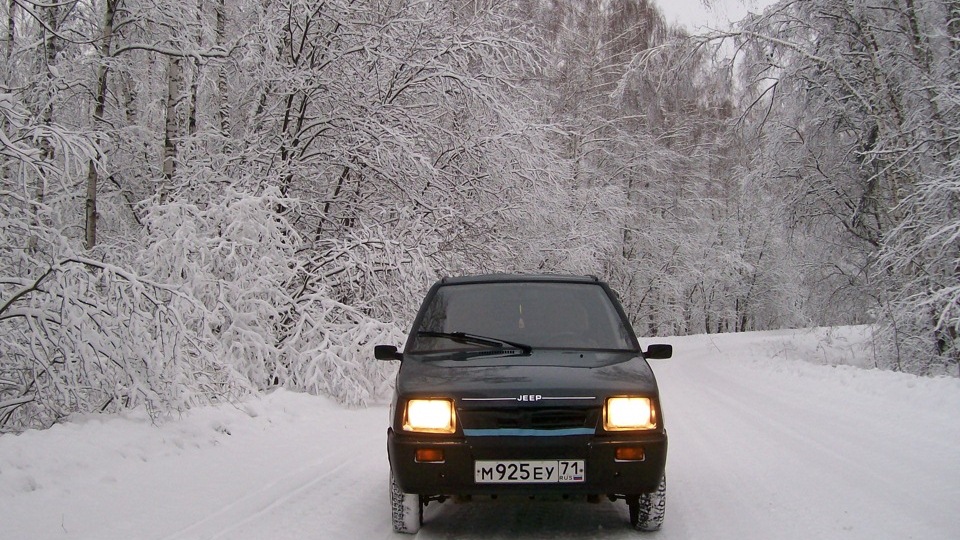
(659, 351)
(386, 352)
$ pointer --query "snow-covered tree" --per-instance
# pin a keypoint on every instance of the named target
(860, 127)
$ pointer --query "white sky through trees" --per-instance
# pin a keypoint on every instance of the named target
(694, 14)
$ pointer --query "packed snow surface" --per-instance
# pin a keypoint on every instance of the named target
(773, 435)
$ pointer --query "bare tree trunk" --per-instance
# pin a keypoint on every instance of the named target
(222, 72)
(52, 45)
(11, 27)
(51, 48)
(195, 82)
(5, 81)
(194, 94)
(106, 38)
(90, 209)
(170, 131)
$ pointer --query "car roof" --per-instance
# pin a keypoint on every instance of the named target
(502, 278)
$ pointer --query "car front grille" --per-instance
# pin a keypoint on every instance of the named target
(529, 418)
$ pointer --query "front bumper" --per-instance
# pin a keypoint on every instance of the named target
(605, 475)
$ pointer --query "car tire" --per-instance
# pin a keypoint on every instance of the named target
(647, 509)
(406, 509)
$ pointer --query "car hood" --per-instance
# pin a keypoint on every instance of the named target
(543, 376)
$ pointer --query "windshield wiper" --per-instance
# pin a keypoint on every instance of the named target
(463, 337)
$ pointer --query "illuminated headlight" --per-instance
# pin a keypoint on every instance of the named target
(629, 413)
(430, 416)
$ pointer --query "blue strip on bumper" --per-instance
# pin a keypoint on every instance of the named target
(527, 432)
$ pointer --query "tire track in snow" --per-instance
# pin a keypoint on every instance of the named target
(520, 518)
(235, 515)
(786, 456)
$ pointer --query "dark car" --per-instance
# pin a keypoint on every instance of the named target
(527, 385)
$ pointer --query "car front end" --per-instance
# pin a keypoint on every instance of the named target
(497, 430)
(520, 385)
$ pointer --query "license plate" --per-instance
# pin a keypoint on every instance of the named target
(529, 472)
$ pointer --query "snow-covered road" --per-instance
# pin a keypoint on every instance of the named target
(762, 446)
(771, 450)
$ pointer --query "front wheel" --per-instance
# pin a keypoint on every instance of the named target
(647, 509)
(406, 509)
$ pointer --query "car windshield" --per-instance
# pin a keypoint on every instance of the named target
(541, 315)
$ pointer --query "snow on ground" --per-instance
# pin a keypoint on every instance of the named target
(772, 435)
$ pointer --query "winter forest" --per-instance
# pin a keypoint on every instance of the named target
(208, 198)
